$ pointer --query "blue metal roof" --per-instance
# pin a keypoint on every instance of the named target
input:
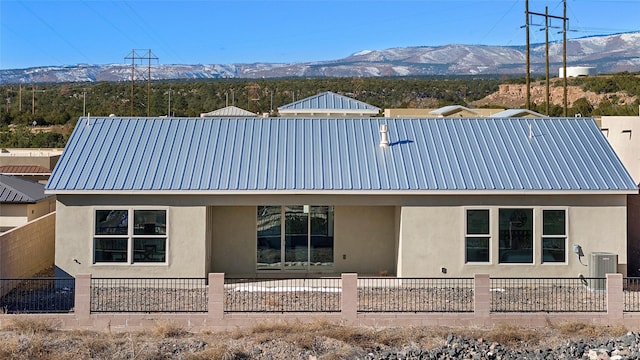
(316, 155)
(329, 101)
(15, 190)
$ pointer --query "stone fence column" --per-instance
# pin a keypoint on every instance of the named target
(615, 297)
(216, 296)
(481, 296)
(349, 298)
(82, 300)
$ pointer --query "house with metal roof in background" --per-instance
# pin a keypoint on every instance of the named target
(521, 113)
(22, 201)
(182, 197)
(328, 104)
(229, 111)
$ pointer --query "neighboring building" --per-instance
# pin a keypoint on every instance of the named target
(46, 158)
(446, 111)
(181, 197)
(28, 172)
(518, 113)
(328, 104)
(623, 132)
(454, 110)
(229, 111)
(22, 201)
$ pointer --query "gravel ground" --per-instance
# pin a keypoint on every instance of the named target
(276, 341)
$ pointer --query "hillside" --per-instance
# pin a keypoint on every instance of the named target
(607, 54)
(514, 95)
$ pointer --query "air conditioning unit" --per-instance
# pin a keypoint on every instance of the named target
(601, 264)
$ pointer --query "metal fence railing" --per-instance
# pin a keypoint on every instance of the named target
(631, 289)
(548, 295)
(149, 295)
(374, 294)
(37, 295)
(388, 294)
(282, 295)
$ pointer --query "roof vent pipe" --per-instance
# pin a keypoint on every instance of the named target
(384, 135)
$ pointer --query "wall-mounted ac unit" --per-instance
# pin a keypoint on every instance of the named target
(601, 264)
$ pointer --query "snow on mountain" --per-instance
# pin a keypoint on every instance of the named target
(611, 53)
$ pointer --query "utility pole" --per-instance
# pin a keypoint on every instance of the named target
(546, 50)
(133, 56)
(564, 55)
(564, 52)
(528, 75)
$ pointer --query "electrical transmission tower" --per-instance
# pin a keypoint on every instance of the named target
(254, 96)
(141, 55)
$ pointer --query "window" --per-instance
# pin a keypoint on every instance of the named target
(554, 236)
(294, 237)
(477, 238)
(117, 239)
(515, 235)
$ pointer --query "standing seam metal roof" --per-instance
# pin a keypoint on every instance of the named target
(16, 190)
(319, 154)
(329, 101)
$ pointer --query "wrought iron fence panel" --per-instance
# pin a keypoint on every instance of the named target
(282, 295)
(37, 295)
(148, 295)
(387, 294)
(548, 294)
(631, 289)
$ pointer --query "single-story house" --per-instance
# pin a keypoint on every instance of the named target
(22, 201)
(524, 113)
(328, 104)
(229, 111)
(445, 111)
(181, 197)
(454, 110)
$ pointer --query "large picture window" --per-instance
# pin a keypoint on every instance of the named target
(477, 236)
(516, 235)
(294, 237)
(130, 236)
(554, 236)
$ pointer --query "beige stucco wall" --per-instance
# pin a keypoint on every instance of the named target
(12, 215)
(355, 228)
(403, 235)
(186, 248)
(623, 133)
(432, 237)
(47, 158)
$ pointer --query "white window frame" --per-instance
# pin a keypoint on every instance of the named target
(543, 236)
(467, 235)
(129, 236)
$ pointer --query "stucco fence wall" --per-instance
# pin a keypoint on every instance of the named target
(28, 249)
(215, 319)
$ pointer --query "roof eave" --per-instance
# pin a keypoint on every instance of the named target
(345, 192)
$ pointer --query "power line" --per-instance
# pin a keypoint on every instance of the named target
(133, 56)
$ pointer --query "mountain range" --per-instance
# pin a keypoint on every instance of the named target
(607, 54)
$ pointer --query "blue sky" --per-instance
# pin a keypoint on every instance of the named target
(43, 33)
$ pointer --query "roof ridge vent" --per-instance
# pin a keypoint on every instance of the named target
(384, 135)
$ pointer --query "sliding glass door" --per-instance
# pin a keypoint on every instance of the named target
(294, 237)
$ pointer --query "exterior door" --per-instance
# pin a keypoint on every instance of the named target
(294, 238)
